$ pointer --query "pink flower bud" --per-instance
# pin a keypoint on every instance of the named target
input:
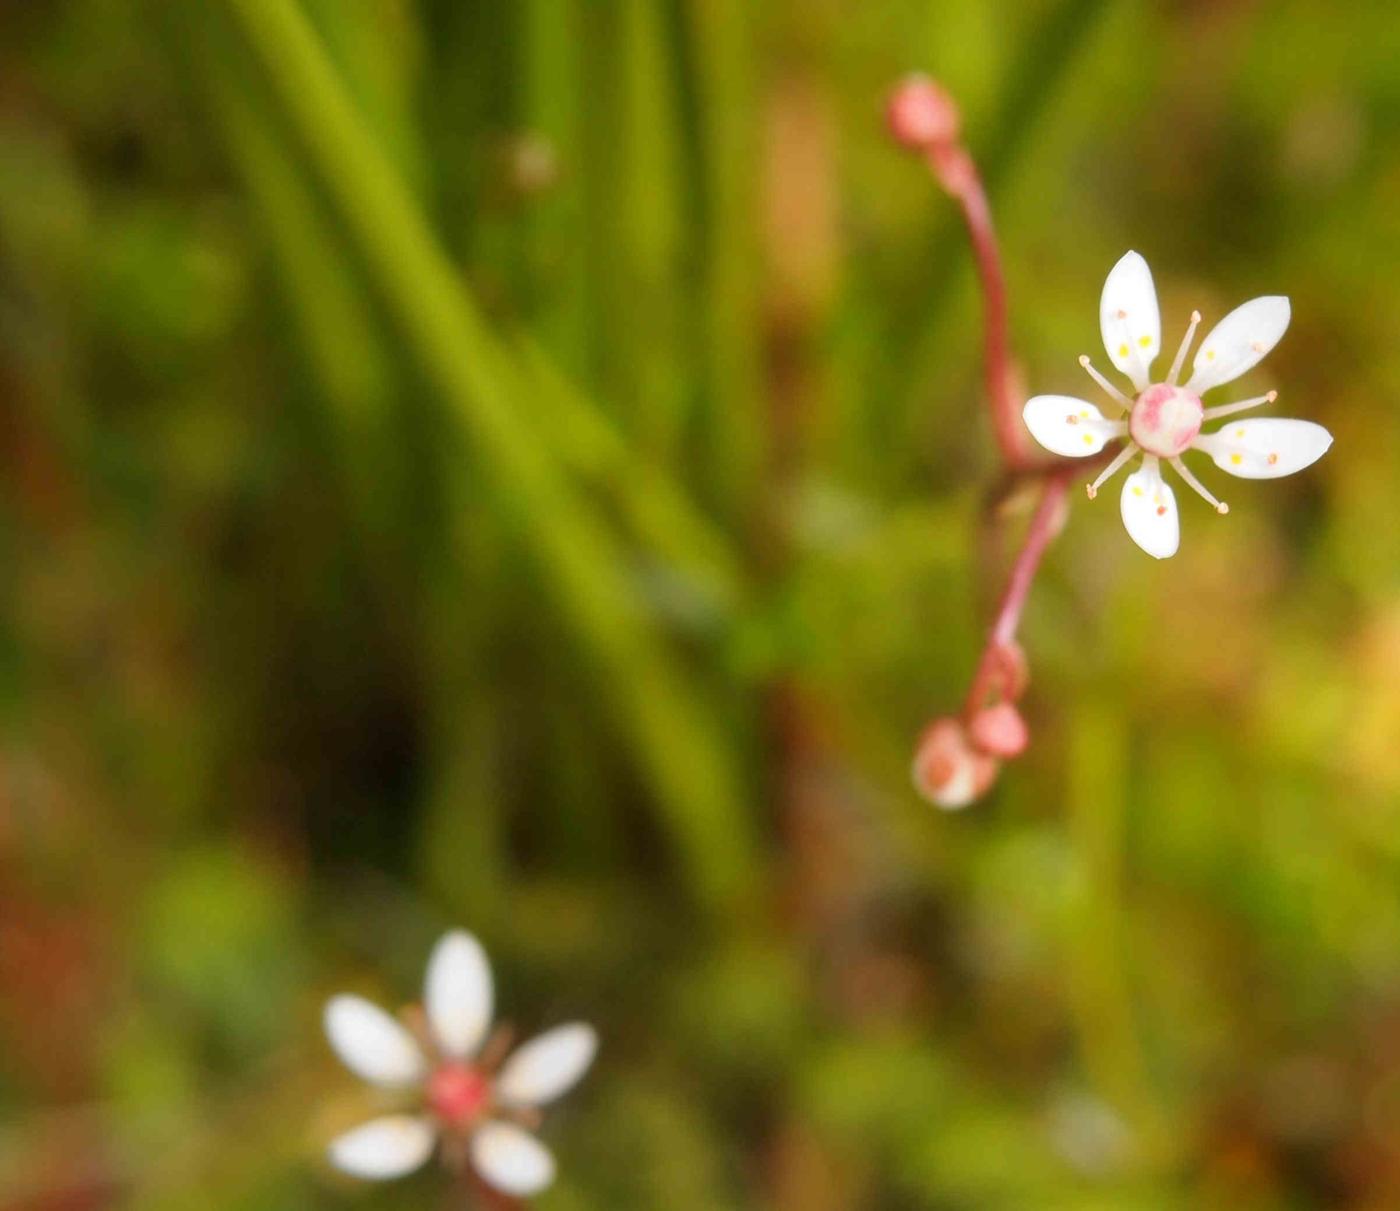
(1000, 731)
(921, 114)
(947, 770)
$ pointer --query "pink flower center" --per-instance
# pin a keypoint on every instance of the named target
(1166, 419)
(457, 1093)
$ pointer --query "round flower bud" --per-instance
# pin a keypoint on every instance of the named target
(999, 731)
(947, 770)
(921, 115)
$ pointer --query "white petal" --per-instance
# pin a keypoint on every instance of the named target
(1239, 342)
(1149, 511)
(457, 993)
(384, 1147)
(1129, 320)
(1069, 426)
(372, 1044)
(511, 1159)
(1266, 448)
(545, 1067)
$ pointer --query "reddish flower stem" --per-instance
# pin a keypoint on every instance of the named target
(479, 1196)
(923, 118)
(958, 174)
(991, 668)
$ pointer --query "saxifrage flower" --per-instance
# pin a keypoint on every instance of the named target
(478, 1108)
(1163, 420)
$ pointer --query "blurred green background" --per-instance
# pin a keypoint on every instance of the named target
(519, 465)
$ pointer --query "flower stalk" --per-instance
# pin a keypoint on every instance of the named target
(958, 175)
(994, 674)
(956, 759)
(924, 118)
(958, 756)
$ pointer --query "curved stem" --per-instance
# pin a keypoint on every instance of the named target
(959, 176)
(1043, 527)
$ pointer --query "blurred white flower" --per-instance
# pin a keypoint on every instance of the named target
(1164, 420)
(476, 1106)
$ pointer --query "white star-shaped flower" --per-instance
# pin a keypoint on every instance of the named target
(1164, 420)
(475, 1106)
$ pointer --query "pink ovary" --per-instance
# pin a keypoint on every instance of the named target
(457, 1093)
(1165, 420)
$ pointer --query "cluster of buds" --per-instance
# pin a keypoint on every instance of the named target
(958, 757)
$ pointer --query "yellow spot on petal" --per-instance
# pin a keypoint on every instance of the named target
(1144, 341)
(1237, 459)
(1239, 432)
(1137, 491)
(1210, 355)
(1088, 439)
(1085, 415)
(1122, 350)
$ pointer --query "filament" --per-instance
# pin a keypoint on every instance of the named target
(1243, 405)
(1180, 358)
(1104, 383)
(1092, 490)
(1181, 469)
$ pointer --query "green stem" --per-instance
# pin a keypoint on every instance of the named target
(1098, 980)
(663, 517)
(691, 771)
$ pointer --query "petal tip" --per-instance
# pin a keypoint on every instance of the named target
(334, 1013)
(458, 992)
(371, 1042)
(383, 1148)
(511, 1160)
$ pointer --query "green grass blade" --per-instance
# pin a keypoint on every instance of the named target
(689, 768)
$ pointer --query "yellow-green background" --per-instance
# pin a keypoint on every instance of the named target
(518, 465)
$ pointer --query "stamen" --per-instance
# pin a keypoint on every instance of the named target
(1200, 488)
(1092, 490)
(496, 1047)
(1243, 405)
(1180, 359)
(1117, 395)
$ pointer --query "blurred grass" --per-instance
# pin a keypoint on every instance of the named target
(518, 465)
